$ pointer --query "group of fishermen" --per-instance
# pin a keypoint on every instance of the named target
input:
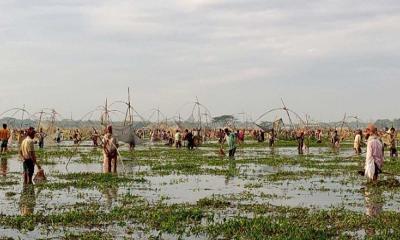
(374, 143)
(189, 138)
(30, 138)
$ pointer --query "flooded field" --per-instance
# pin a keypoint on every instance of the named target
(165, 193)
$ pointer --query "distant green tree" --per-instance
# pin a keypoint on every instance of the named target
(223, 119)
(382, 123)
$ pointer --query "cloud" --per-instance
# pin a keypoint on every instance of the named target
(171, 51)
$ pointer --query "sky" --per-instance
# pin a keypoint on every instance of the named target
(324, 58)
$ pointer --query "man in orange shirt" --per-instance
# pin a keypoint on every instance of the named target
(4, 136)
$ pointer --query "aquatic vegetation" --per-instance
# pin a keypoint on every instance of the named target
(90, 180)
(10, 194)
(8, 183)
(93, 235)
(165, 192)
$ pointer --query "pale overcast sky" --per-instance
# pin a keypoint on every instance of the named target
(324, 58)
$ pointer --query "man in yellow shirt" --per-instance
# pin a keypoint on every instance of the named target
(28, 156)
(4, 136)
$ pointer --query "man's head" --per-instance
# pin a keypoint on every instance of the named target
(4, 126)
(109, 129)
(371, 129)
(226, 130)
(30, 132)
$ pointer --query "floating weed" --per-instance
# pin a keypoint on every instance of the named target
(92, 235)
(213, 203)
(253, 185)
(8, 183)
(90, 180)
(138, 206)
(10, 194)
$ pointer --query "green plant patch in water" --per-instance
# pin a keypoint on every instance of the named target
(90, 180)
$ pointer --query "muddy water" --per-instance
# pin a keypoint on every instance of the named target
(246, 180)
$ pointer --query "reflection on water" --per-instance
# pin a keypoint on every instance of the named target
(373, 206)
(27, 201)
(231, 171)
(274, 151)
(242, 180)
(110, 194)
(3, 166)
(373, 202)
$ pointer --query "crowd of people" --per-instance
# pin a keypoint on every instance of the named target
(373, 140)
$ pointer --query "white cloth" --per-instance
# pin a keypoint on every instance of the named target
(357, 141)
(374, 156)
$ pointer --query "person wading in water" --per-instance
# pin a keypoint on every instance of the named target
(335, 140)
(110, 151)
(230, 138)
(4, 137)
(41, 136)
(374, 159)
(189, 139)
(300, 142)
(393, 143)
(28, 156)
(358, 142)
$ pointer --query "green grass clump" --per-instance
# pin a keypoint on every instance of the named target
(90, 180)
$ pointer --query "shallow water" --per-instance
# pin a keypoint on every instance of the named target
(249, 180)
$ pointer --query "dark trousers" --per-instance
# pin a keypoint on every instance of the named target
(300, 148)
(29, 167)
(232, 152)
(190, 145)
(393, 152)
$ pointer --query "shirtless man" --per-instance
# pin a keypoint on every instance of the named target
(110, 151)
(4, 137)
(393, 143)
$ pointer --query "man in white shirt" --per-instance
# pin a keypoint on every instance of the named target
(374, 159)
(178, 139)
(358, 142)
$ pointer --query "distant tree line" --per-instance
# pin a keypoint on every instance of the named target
(382, 123)
(220, 121)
